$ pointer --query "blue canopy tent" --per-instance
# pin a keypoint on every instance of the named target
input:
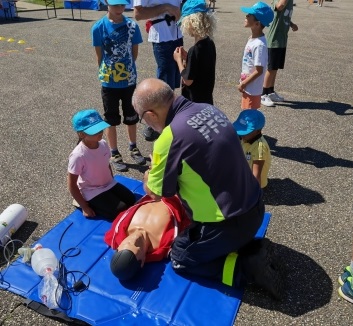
(90, 4)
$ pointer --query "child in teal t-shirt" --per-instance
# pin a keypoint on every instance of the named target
(115, 39)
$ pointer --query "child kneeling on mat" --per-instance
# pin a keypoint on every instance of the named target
(90, 178)
(257, 152)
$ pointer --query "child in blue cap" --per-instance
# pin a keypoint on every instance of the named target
(197, 66)
(90, 178)
(116, 38)
(257, 152)
(255, 56)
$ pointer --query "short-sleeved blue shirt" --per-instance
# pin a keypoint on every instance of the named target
(199, 156)
(117, 69)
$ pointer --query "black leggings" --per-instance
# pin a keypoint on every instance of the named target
(111, 202)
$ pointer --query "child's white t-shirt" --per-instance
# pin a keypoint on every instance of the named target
(92, 167)
(255, 54)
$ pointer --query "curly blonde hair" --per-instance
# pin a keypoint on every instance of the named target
(202, 24)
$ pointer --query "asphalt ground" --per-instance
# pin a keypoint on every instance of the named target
(44, 81)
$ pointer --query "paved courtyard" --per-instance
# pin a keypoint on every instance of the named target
(51, 74)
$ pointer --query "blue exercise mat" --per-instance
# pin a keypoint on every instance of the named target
(157, 296)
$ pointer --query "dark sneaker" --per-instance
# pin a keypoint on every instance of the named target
(118, 163)
(274, 97)
(150, 134)
(346, 290)
(343, 277)
(138, 158)
(263, 268)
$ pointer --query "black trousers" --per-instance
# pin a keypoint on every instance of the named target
(203, 248)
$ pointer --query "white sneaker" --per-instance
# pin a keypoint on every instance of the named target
(265, 100)
(275, 97)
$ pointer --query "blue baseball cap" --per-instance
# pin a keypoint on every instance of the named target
(262, 12)
(89, 121)
(248, 121)
(117, 2)
(192, 7)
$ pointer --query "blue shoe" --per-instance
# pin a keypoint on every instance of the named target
(346, 290)
(343, 277)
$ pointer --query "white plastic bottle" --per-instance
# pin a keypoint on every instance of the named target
(43, 260)
(44, 263)
(10, 221)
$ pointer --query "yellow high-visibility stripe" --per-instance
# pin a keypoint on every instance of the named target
(228, 268)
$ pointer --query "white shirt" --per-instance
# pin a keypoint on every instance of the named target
(255, 54)
(161, 32)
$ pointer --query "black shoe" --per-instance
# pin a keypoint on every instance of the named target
(150, 134)
(263, 267)
(137, 157)
(118, 163)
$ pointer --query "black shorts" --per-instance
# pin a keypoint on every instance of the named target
(111, 100)
(276, 58)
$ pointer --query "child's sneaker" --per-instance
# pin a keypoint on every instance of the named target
(343, 277)
(136, 155)
(346, 290)
(150, 134)
(117, 161)
(274, 97)
(265, 100)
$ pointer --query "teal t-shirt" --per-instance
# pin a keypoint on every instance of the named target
(277, 35)
(117, 69)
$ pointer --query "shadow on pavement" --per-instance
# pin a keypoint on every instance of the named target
(17, 20)
(307, 155)
(336, 107)
(77, 19)
(307, 286)
(289, 193)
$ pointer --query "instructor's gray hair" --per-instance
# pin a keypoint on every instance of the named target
(151, 98)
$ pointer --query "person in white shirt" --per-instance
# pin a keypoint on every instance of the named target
(163, 32)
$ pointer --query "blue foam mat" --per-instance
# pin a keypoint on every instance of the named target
(157, 296)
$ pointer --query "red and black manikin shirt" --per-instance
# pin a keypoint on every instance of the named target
(178, 222)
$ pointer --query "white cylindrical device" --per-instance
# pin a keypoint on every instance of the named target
(10, 221)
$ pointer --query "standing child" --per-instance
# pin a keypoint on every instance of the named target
(116, 38)
(212, 4)
(277, 38)
(255, 55)
(320, 3)
(198, 73)
(90, 178)
(257, 152)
